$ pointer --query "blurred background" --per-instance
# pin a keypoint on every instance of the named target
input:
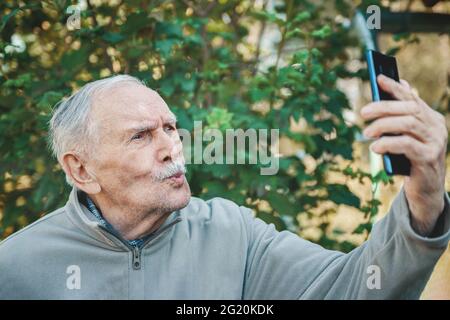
(294, 65)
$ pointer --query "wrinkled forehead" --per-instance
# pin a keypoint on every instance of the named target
(124, 104)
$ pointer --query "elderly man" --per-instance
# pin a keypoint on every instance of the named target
(131, 230)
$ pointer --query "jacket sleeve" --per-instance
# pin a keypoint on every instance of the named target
(395, 263)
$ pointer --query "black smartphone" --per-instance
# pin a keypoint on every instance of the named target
(378, 63)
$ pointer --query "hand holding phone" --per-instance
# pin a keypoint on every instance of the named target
(379, 63)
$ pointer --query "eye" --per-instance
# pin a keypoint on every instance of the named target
(169, 128)
(138, 136)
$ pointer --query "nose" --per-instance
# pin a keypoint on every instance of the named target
(166, 147)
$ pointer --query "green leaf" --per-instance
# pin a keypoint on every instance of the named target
(219, 118)
(302, 17)
(49, 99)
(281, 204)
(113, 37)
(165, 46)
(340, 194)
(6, 18)
(169, 29)
(135, 22)
(322, 33)
(167, 88)
(22, 81)
(73, 61)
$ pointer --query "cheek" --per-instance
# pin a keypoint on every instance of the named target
(137, 163)
(127, 165)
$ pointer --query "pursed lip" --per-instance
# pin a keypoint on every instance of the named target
(176, 175)
(177, 178)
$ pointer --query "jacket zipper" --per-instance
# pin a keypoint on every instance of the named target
(136, 261)
(136, 258)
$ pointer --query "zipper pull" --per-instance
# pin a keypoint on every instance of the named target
(136, 258)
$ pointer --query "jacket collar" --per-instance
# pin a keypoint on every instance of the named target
(82, 218)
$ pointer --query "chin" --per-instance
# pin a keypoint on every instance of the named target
(184, 202)
(180, 198)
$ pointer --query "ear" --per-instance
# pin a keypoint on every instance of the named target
(75, 168)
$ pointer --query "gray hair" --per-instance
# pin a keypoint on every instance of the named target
(71, 127)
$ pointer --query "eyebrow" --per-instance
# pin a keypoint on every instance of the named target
(150, 125)
(143, 127)
(171, 119)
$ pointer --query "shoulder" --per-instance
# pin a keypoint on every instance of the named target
(32, 235)
(26, 256)
(215, 209)
(217, 214)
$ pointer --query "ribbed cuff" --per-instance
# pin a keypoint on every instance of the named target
(403, 217)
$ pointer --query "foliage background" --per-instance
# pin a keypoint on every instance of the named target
(200, 57)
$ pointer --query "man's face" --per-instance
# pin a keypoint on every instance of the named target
(138, 143)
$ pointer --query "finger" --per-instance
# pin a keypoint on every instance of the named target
(396, 89)
(411, 90)
(398, 125)
(405, 84)
(390, 108)
(413, 149)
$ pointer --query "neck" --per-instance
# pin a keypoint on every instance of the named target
(130, 222)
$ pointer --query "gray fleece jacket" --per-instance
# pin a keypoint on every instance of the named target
(212, 250)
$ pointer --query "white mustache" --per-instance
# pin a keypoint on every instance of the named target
(171, 169)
